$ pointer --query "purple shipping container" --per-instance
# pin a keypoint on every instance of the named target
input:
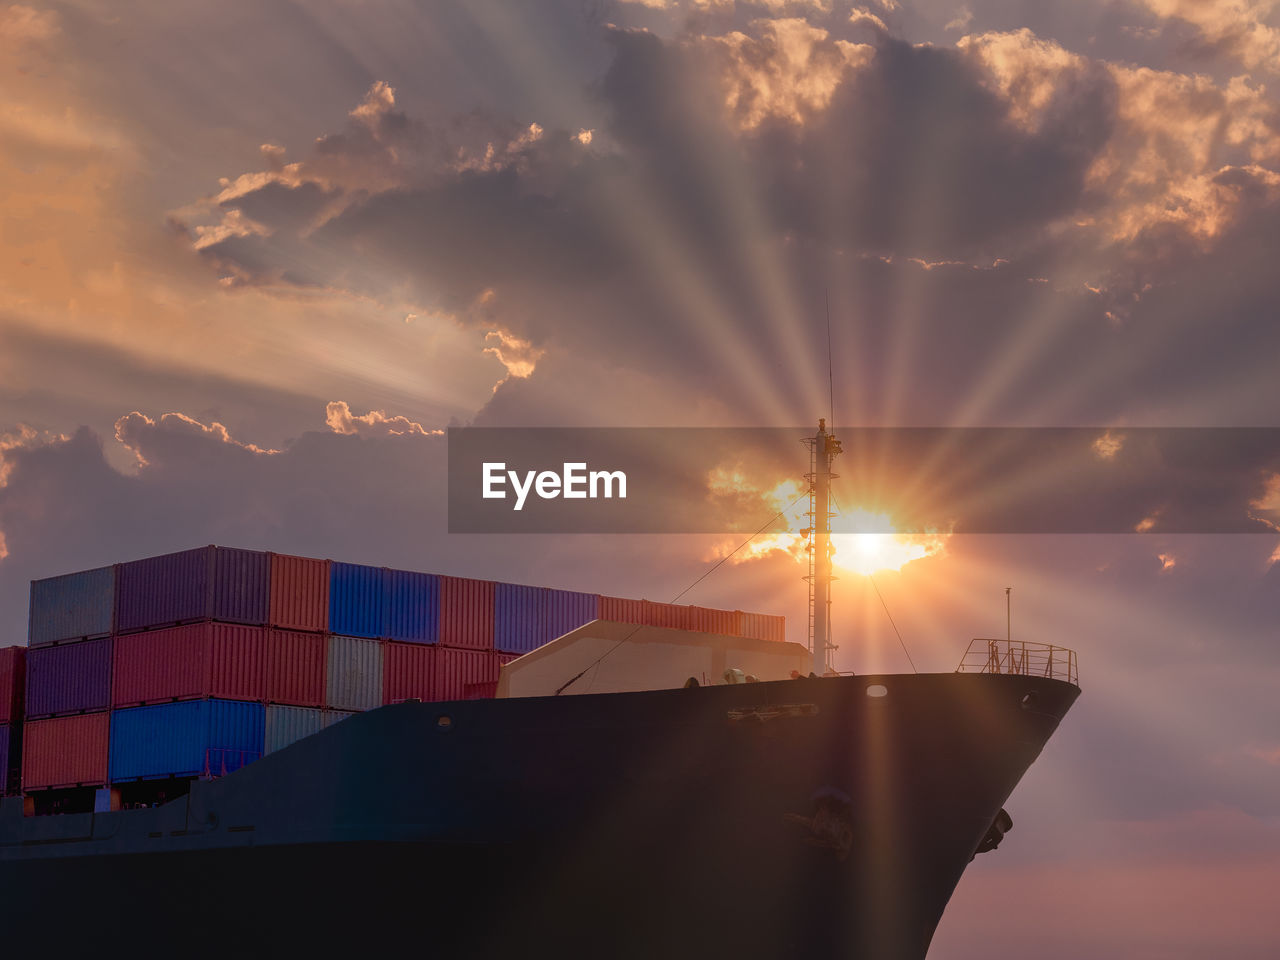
(518, 616)
(69, 678)
(208, 583)
(413, 611)
(162, 591)
(566, 610)
(241, 582)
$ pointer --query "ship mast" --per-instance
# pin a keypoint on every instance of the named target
(823, 448)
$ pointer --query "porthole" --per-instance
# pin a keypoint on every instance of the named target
(877, 690)
(444, 723)
(1029, 700)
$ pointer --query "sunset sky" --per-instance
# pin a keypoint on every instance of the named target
(256, 256)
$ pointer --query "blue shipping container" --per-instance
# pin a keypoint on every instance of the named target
(186, 739)
(357, 600)
(69, 678)
(413, 606)
(72, 606)
(517, 617)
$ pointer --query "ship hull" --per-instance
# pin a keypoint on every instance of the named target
(766, 820)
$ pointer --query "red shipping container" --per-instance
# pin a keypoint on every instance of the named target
(466, 613)
(622, 610)
(460, 674)
(295, 668)
(406, 672)
(764, 627)
(299, 593)
(711, 620)
(223, 660)
(12, 672)
(65, 751)
(676, 616)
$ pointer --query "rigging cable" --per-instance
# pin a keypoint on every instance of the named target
(704, 576)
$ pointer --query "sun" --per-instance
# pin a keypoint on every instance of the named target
(881, 548)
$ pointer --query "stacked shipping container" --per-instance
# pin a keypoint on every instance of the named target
(12, 676)
(195, 663)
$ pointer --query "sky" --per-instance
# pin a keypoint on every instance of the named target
(256, 256)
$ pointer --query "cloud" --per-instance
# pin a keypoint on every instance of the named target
(375, 423)
(787, 69)
(1236, 27)
(732, 175)
(1108, 445)
(1180, 147)
(520, 357)
(20, 24)
(962, 19)
(146, 437)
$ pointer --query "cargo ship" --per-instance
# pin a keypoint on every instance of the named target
(655, 781)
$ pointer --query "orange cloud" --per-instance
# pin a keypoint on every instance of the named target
(1185, 150)
(788, 70)
(134, 430)
(340, 419)
(520, 357)
(1108, 445)
(1236, 26)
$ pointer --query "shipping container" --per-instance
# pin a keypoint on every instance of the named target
(221, 583)
(294, 664)
(408, 672)
(186, 739)
(288, 724)
(299, 593)
(466, 613)
(69, 678)
(566, 610)
(65, 752)
(162, 591)
(413, 606)
(75, 606)
(5, 753)
(461, 674)
(764, 627)
(622, 610)
(241, 581)
(336, 716)
(519, 615)
(357, 600)
(710, 620)
(13, 672)
(354, 673)
(191, 662)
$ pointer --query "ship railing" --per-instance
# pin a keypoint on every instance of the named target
(1022, 657)
(219, 761)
